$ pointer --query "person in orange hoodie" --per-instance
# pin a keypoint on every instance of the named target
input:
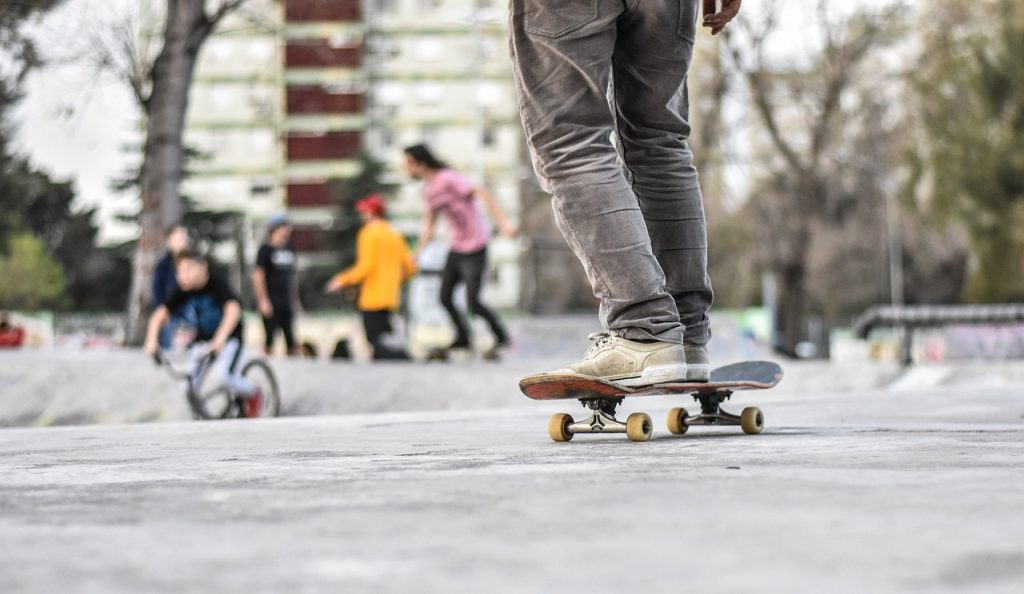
(383, 263)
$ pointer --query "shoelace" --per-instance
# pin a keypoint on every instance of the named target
(600, 339)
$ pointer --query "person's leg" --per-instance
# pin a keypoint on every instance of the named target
(286, 321)
(652, 55)
(381, 324)
(562, 53)
(374, 328)
(228, 367)
(166, 337)
(269, 328)
(473, 268)
(449, 278)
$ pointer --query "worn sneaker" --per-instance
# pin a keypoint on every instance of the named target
(629, 362)
(698, 365)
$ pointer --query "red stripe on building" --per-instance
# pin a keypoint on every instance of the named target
(309, 194)
(318, 53)
(324, 147)
(314, 99)
(307, 239)
(322, 10)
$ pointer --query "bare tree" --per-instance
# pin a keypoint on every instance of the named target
(160, 81)
(802, 120)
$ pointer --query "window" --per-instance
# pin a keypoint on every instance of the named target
(489, 137)
(429, 50)
(429, 93)
(387, 138)
(261, 186)
(429, 134)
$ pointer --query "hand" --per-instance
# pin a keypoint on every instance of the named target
(332, 286)
(215, 346)
(151, 348)
(509, 230)
(266, 308)
(718, 21)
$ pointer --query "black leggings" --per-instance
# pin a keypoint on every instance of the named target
(282, 319)
(469, 269)
(377, 324)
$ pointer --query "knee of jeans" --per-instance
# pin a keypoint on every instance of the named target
(568, 159)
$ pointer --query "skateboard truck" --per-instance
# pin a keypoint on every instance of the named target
(751, 420)
(603, 418)
(638, 426)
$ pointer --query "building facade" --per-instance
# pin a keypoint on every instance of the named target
(289, 93)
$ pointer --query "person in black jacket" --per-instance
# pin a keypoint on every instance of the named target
(276, 284)
(164, 282)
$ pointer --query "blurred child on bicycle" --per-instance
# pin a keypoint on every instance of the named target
(218, 315)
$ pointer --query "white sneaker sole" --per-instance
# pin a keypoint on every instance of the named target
(698, 373)
(656, 374)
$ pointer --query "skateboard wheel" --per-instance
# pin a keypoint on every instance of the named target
(558, 427)
(752, 420)
(639, 427)
(677, 421)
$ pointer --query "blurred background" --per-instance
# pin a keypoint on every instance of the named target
(852, 155)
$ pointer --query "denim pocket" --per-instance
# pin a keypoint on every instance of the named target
(688, 20)
(555, 18)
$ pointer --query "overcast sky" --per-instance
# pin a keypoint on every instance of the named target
(76, 125)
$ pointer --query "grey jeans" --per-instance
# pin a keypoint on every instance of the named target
(585, 69)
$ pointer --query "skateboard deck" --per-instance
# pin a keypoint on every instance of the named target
(603, 396)
(748, 375)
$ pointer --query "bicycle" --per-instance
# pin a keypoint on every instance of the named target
(220, 401)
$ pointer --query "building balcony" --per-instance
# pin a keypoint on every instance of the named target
(322, 10)
(309, 194)
(320, 53)
(324, 147)
(312, 99)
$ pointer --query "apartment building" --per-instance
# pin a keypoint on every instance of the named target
(289, 93)
(439, 72)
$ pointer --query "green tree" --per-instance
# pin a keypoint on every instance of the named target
(32, 279)
(161, 82)
(805, 118)
(19, 49)
(969, 92)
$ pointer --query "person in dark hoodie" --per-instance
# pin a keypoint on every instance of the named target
(164, 282)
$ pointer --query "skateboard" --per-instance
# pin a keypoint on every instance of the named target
(602, 397)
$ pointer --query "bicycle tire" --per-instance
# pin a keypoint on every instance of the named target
(200, 412)
(199, 409)
(271, 392)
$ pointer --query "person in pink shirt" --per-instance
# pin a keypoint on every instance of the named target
(450, 195)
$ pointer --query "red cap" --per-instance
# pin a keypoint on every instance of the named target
(372, 205)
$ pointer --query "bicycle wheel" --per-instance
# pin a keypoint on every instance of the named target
(259, 374)
(208, 398)
(217, 403)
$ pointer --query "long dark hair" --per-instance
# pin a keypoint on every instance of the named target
(421, 154)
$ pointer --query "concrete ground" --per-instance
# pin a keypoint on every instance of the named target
(873, 491)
